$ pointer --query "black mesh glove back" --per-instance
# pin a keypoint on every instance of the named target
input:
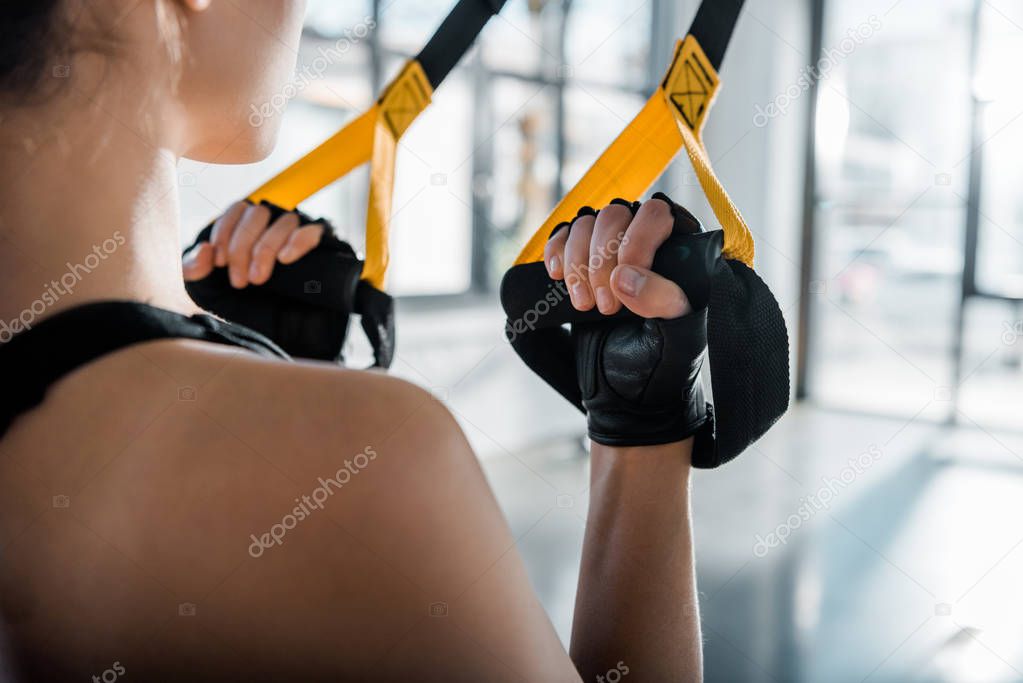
(638, 380)
(305, 306)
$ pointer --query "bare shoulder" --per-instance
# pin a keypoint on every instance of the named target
(317, 400)
(304, 414)
(196, 390)
(219, 508)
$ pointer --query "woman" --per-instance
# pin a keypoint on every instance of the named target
(145, 501)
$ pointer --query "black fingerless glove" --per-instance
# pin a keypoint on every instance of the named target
(637, 380)
(640, 379)
(305, 307)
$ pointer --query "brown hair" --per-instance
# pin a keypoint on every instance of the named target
(39, 38)
(33, 36)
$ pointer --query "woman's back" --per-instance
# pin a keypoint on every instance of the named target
(183, 508)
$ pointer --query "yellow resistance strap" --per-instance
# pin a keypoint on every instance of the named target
(372, 137)
(672, 118)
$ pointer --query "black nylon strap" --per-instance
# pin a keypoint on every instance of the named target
(36, 359)
(713, 26)
(455, 36)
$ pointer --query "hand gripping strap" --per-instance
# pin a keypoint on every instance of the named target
(746, 338)
(373, 138)
(305, 306)
(285, 308)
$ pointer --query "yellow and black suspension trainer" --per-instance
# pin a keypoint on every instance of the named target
(305, 307)
(746, 335)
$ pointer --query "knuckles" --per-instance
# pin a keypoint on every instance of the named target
(617, 211)
(258, 213)
(264, 250)
(658, 214)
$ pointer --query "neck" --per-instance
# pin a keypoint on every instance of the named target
(88, 212)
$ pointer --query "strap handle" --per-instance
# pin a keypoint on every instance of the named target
(373, 137)
(689, 89)
(398, 107)
(672, 119)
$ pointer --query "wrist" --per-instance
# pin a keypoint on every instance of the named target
(666, 459)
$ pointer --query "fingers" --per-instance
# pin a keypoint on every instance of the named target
(301, 242)
(647, 294)
(577, 258)
(554, 253)
(641, 290)
(242, 241)
(605, 261)
(267, 247)
(198, 262)
(647, 232)
(239, 252)
(585, 255)
(608, 234)
(223, 228)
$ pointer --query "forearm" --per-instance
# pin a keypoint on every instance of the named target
(636, 606)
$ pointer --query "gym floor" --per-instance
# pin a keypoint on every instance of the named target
(902, 565)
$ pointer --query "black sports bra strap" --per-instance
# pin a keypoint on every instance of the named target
(35, 359)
